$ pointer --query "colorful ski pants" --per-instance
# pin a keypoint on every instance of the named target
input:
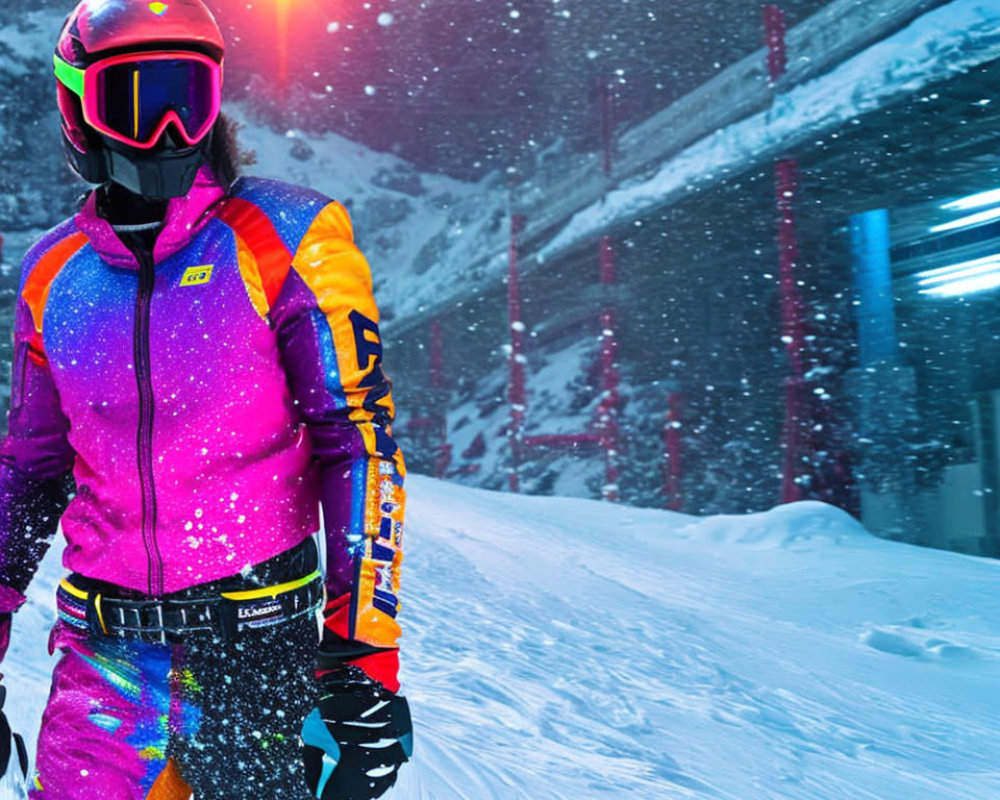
(227, 717)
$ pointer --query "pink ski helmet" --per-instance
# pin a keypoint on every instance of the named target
(100, 29)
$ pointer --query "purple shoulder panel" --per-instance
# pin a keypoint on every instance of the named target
(299, 325)
(305, 342)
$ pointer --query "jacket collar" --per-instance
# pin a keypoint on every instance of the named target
(186, 216)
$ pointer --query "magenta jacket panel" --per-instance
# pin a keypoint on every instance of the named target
(204, 398)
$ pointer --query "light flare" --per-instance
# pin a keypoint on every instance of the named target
(283, 8)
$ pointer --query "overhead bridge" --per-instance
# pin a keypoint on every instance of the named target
(807, 262)
(846, 63)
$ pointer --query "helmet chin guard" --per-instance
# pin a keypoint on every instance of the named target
(88, 164)
(158, 174)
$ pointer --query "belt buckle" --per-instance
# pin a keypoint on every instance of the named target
(224, 620)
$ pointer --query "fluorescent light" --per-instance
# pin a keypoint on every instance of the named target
(990, 198)
(966, 277)
(962, 266)
(964, 222)
(959, 272)
(979, 283)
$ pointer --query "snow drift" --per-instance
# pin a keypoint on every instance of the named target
(564, 648)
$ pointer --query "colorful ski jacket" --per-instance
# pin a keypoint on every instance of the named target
(206, 397)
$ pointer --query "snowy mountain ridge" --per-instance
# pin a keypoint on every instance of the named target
(397, 211)
(558, 648)
(29, 39)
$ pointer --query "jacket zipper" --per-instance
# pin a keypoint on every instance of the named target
(144, 434)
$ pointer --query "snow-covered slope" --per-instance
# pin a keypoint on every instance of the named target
(560, 648)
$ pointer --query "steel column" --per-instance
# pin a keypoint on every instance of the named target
(876, 315)
(795, 437)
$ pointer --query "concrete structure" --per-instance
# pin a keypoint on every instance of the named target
(885, 105)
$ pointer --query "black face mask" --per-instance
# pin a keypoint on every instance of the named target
(167, 170)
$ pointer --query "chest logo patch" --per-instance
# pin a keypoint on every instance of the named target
(197, 276)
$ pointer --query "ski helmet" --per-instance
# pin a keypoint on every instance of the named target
(117, 62)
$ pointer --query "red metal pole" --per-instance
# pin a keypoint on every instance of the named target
(607, 410)
(792, 442)
(561, 441)
(672, 445)
(792, 329)
(607, 261)
(786, 177)
(516, 392)
(607, 125)
(607, 414)
(776, 28)
(443, 460)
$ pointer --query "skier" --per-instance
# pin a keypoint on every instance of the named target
(197, 370)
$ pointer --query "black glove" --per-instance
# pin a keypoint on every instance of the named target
(5, 623)
(357, 738)
(7, 737)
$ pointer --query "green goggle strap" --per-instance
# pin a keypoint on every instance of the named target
(69, 76)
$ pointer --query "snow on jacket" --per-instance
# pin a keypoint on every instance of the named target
(206, 401)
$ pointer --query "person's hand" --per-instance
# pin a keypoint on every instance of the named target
(10, 741)
(357, 737)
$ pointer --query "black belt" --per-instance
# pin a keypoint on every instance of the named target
(171, 619)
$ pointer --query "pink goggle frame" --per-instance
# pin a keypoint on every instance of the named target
(133, 98)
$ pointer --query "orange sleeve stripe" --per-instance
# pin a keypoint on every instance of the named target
(36, 288)
(260, 237)
(338, 275)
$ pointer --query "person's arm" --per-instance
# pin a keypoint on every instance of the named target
(360, 733)
(327, 326)
(36, 460)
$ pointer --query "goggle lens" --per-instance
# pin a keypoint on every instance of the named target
(133, 97)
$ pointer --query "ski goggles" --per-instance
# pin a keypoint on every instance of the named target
(132, 98)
